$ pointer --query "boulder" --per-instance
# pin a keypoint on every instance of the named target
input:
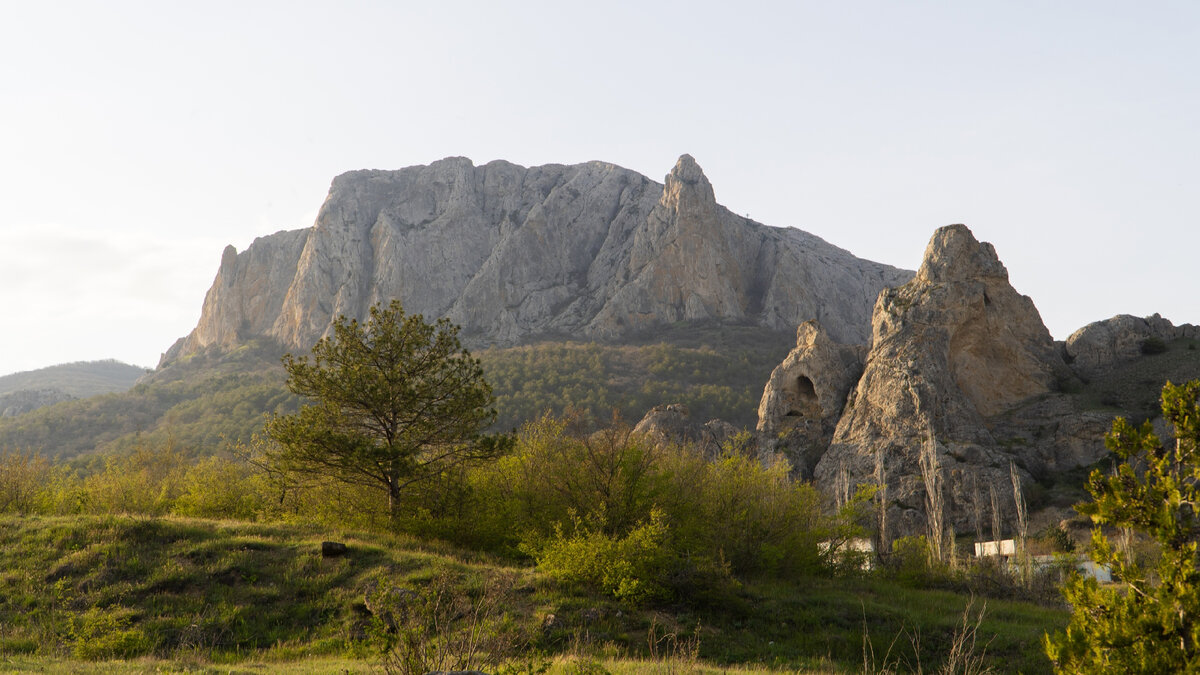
(332, 549)
(673, 424)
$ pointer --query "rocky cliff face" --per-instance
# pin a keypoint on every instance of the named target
(962, 369)
(804, 398)
(954, 353)
(1102, 344)
(27, 400)
(510, 253)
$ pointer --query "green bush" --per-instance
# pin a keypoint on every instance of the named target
(24, 487)
(636, 568)
(755, 517)
(145, 481)
(910, 561)
(221, 488)
(610, 479)
(613, 511)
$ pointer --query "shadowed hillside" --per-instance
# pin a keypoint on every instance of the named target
(203, 401)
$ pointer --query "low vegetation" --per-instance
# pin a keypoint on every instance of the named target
(1132, 388)
(591, 542)
(717, 371)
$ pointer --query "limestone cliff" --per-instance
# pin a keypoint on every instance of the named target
(953, 351)
(804, 397)
(510, 253)
(1102, 344)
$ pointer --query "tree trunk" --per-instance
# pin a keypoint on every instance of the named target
(394, 504)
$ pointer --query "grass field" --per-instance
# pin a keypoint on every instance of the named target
(130, 595)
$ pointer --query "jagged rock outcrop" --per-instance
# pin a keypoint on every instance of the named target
(27, 400)
(510, 253)
(1103, 344)
(673, 424)
(247, 289)
(804, 397)
(953, 350)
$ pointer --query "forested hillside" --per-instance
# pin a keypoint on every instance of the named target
(196, 405)
(80, 379)
(201, 403)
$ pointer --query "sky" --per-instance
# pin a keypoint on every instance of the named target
(137, 139)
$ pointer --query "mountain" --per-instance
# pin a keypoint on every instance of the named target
(586, 287)
(26, 391)
(515, 255)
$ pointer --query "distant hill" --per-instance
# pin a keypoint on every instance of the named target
(25, 392)
(196, 405)
(79, 380)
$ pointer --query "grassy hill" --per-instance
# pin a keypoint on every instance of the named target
(201, 403)
(185, 593)
(81, 379)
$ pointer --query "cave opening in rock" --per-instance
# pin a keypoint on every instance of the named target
(804, 386)
(803, 401)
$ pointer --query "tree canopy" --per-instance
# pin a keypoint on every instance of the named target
(394, 402)
(1150, 623)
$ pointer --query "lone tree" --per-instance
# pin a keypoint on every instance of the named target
(1151, 622)
(396, 402)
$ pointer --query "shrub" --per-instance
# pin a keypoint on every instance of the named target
(23, 484)
(145, 481)
(221, 488)
(754, 517)
(634, 568)
(447, 625)
(1153, 345)
(609, 479)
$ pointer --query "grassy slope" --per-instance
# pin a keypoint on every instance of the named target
(192, 591)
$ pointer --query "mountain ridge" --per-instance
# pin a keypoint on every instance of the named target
(512, 254)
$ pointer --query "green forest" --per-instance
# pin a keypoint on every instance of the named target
(217, 398)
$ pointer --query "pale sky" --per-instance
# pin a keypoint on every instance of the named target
(137, 139)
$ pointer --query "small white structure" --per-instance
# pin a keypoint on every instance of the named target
(858, 549)
(1004, 547)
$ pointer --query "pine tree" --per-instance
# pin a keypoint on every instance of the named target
(1150, 622)
(394, 403)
